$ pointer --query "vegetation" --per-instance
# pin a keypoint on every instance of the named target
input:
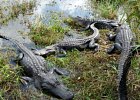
(9, 79)
(8, 12)
(48, 34)
(107, 9)
(93, 75)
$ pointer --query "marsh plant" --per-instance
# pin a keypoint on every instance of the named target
(47, 34)
(12, 10)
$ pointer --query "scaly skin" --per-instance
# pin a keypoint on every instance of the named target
(124, 43)
(78, 43)
(35, 66)
(100, 24)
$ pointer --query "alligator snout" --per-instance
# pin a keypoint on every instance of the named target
(70, 96)
(59, 91)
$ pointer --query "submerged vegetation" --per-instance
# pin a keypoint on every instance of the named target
(93, 75)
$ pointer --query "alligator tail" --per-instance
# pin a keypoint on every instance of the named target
(4, 37)
(123, 68)
(17, 43)
(10, 39)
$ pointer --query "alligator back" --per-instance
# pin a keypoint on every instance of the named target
(125, 38)
(30, 61)
(80, 41)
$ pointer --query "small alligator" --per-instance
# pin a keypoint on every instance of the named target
(124, 42)
(78, 43)
(100, 24)
(35, 66)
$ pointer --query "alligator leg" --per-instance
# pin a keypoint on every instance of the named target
(113, 48)
(19, 57)
(60, 52)
(60, 71)
(111, 37)
(94, 45)
(25, 80)
(27, 83)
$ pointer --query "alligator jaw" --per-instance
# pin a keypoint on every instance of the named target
(51, 83)
(59, 91)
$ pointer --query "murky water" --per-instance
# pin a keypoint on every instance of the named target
(72, 8)
(18, 30)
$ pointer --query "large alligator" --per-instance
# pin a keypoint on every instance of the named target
(35, 66)
(124, 42)
(78, 43)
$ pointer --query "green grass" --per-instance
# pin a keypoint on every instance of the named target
(10, 81)
(48, 34)
(15, 10)
(89, 79)
(9, 78)
(106, 8)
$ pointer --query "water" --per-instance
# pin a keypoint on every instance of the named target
(17, 30)
(72, 8)
(17, 27)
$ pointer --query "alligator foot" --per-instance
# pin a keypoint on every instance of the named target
(19, 57)
(60, 71)
(114, 47)
(60, 52)
(111, 37)
(26, 81)
(94, 45)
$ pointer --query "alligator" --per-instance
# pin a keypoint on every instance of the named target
(124, 43)
(35, 66)
(100, 24)
(78, 43)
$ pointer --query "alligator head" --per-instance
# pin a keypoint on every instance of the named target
(49, 82)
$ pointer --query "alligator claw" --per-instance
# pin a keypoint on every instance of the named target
(111, 37)
(96, 47)
(27, 79)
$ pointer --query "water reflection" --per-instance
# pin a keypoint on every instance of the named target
(67, 7)
(18, 30)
